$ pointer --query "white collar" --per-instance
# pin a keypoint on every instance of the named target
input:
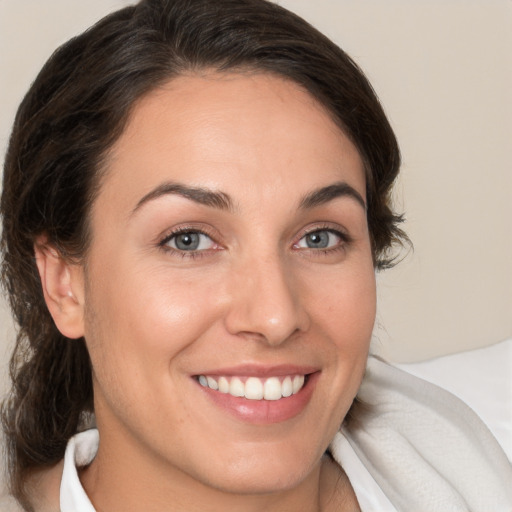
(80, 451)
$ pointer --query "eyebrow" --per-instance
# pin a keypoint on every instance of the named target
(200, 195)
(223, 201)
(325, 194)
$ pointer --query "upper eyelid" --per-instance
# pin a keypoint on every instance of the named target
(325, 227)
(163, 243)
(164, 239)
(184, 232)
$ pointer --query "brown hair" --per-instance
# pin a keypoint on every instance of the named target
(71, 116)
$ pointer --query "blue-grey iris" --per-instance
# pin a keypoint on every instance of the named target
(318, 240)
(187, 241)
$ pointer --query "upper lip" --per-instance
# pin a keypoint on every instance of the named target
(259, 370)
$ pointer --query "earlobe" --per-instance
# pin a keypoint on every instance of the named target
(62, 284)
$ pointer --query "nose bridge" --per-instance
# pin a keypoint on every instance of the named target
(265, 302)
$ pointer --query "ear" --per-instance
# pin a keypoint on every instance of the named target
(63, 288)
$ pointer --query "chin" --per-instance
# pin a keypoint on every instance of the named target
(264, 470)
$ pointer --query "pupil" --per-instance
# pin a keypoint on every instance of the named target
(318, 240)
(187, 241)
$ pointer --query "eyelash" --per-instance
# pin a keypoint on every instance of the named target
(182, 231)
(344, 237)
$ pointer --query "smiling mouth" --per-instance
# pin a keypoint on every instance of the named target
(254, 388)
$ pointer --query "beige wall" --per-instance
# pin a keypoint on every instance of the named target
(443, 70)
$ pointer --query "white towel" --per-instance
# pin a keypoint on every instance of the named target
(426, 449)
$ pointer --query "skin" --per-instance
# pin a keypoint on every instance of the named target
(154, 317)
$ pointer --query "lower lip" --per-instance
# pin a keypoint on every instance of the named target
(264, 412)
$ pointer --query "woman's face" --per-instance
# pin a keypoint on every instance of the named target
(230, 249)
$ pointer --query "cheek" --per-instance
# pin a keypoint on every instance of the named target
(342, 317)
(139, 325)
(144, 325)
(345, 316)
(346, 308)
(151, 312)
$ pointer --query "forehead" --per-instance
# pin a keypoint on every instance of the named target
(230, 132)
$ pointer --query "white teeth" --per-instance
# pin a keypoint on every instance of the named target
(298, 382)
(272, 388)
(223, 385)
(236, 387)
(212, 383)
(287, 387)
(253, 389)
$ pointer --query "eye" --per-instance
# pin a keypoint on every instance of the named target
(320, 239)
(189, 241)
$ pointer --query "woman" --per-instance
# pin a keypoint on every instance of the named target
(196, 197)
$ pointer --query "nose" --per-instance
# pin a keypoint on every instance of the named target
(266, 301)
